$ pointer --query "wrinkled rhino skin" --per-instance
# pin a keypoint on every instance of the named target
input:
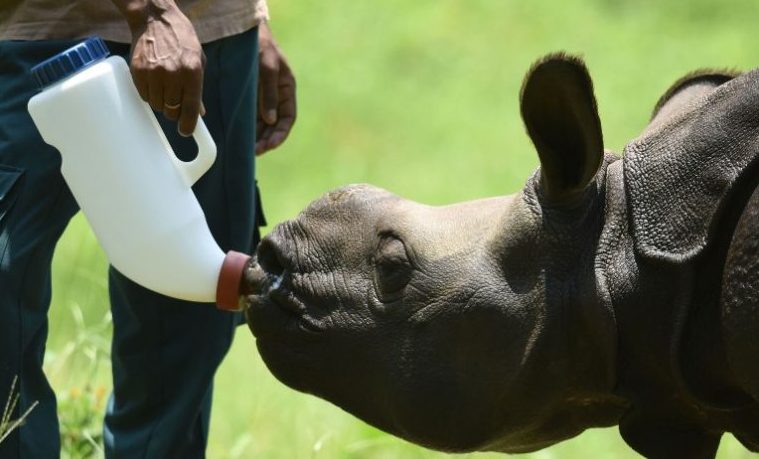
(609, 291)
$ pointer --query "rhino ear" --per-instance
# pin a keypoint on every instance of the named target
(561, 116)
(681, 96)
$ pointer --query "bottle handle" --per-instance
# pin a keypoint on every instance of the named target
(193, 170)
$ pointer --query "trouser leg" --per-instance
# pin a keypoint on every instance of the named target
(166, 351)
(35, 207)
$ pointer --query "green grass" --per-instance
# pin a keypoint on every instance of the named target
(7, 423)
(419, 97)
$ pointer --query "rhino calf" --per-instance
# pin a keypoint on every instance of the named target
(607, 291)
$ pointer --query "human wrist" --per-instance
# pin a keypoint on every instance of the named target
(138, 13)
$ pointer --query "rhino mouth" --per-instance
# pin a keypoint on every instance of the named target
(272, 303)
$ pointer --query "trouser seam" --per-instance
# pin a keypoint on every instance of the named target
(5, 248)
(224, 151)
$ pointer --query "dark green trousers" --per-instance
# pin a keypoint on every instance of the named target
(165, 351)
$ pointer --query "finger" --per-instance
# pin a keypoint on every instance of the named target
(287, 113)
(274, 136)
(262, 141)
(261, 135)
(288, 108)
(276, 139)
(172, 102)
(261, 147)
(140, 80)
(155, 90)
(191, 102)
(269, 87)
(280, 132)
(260, 126)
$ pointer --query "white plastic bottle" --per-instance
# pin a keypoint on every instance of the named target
(131, 187)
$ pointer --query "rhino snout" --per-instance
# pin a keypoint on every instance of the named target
(254, 280)
(267, 268)
(257, 281)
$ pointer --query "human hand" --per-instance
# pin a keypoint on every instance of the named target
(167, 62)
(276, 94)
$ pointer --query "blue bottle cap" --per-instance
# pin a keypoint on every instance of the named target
(70, 61)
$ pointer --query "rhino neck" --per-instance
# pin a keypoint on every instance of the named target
(572, 356)
(589, 318)
(592, 337)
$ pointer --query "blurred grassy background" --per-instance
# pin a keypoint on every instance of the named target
(420, 97)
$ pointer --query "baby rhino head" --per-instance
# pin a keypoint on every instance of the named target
(464, 327)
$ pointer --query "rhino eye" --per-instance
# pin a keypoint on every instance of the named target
(392, 269)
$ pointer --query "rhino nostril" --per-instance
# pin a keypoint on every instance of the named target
(255, 278)
(270, 257)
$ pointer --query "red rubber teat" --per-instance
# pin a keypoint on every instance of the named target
(230, 277)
